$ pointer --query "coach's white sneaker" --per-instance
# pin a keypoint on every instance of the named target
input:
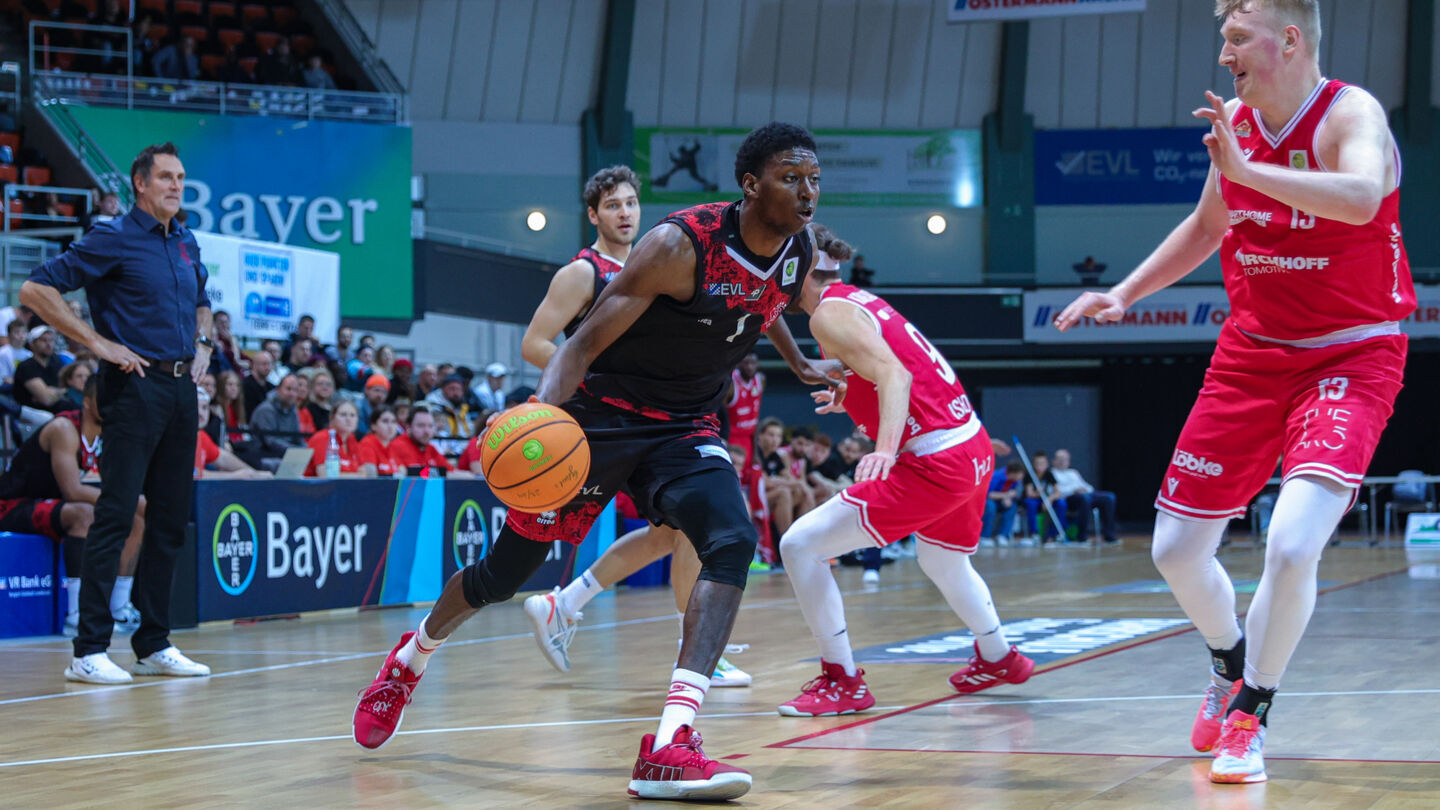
(170, 661)
(96, 668)
(553, 632)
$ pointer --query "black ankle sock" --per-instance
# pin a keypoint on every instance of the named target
(1253, 700)
(1229, 664)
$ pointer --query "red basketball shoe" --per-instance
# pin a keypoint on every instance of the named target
(981, 674)
(681, 770)
(382, 703)
(1206, 731)
(833, 692)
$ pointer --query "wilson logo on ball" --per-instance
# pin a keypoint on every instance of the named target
(508, 426)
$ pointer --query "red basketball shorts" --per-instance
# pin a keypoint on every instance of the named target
(1316, 412)
(940, 497)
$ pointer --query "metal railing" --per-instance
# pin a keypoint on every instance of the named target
(361, 47)
(50, 55)
(147, 93)
(10, 87)
(14, 190)
(18, 256)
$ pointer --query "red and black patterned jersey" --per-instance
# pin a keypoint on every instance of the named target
(604, 268)
(31, 474)
(677, 357)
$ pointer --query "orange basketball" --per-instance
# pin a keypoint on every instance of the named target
(535, 457)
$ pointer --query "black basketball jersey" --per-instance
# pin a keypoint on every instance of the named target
(677, 357)
(604, 269)
(30, 474)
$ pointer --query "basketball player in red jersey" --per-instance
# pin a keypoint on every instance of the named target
(929, 475)
(1303, 203)
(612, 202)
(747, 387)
(705, 283)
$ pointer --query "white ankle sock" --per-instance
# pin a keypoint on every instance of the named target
(121, 593)
(417, 651)
(72, 595)
(687, 692)
(993, 646)
(578, 593)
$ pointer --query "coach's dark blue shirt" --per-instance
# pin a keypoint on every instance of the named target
(143, 285)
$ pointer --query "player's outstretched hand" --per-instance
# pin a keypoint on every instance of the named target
(1102, 307)
(1220, 142)
(828, 401)
(490, 420)
(874, 465)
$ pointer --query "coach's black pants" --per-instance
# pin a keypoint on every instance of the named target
(148, 447)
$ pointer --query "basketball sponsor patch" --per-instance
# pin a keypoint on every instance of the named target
(1042, 639)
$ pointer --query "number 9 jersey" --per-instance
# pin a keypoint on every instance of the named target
(938, 403)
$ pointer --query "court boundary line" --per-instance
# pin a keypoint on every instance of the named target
(1194, 755)
(1048, 668)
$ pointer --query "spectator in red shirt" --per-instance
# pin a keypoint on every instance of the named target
(207, 452)
(343, 422)
(377, 445)
(414, 448)
(469, 460)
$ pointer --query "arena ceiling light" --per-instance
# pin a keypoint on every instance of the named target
(535, 221)
(936, 224)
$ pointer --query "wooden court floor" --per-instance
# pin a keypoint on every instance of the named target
(1103, 723)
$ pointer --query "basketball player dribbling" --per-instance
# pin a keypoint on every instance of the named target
(1303, 203)
(612, 203)
(706, 283)
(929, 475)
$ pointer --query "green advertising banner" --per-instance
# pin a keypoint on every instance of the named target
(327, 185)
(858, 167)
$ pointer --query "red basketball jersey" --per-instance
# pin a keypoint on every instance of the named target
(743, 409)
(1291, 275)
(937, 400)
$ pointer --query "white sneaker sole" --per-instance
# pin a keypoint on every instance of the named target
(71, 674)
(1238, 778)
(717, 788)
(730, 681)
(151, 670)
(537, 608)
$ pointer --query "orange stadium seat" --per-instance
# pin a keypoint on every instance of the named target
(210, 64)
(9, 174)
(302, 44)
(284, 16)
(11, 140)
(249, 63)
(250, 11)
(187, 7)
(198, 33)
(17, 206)
(218, 10)
(65, 209)
(232, 37)
(266, 40)
(157, 6)
(36, 176)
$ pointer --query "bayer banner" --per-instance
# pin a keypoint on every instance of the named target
(963, 11)
(266, 286)
(1179, 314)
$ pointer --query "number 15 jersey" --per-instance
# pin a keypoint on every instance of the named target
(937, 400)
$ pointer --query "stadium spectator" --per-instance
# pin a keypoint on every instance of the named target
(319, 403)
(315, 76)
(492, 391)
(37, 378)
(72, 379)
(228, 355)
(415, 449)
(340, 435)
(426, 381)
(338, 353)
(385, 360)
(1003, 501)
(304, 330)
(230, 400)
(1037, 493)
(279, 66)
(860, 274)
(469, 460)
(360, 370)
(375, 448)
(276, 421)
(445, 370)
(144, 44)
(376, 390)
(212, 422)
(825, 468)
(13, 353)
(1080, 498)
(273, 346)
(177, 61)
(402, 414)
(472, 400)
(452, 414)
(232, 70)
(786, 495)
(207, 384)
(402, 384)
(208, 452)
(108, 42)
(257, 384)
(299, 356)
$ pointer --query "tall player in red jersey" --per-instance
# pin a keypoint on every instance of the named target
(1302, 202)
(704, 285)
(747, 387)
(612, 202)
(929, 475)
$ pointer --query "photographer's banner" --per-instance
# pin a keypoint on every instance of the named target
(266, 287)
(963, 11)
(328, 185)
(688, 166)
(268, 548)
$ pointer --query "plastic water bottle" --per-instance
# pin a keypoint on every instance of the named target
(332, 457)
